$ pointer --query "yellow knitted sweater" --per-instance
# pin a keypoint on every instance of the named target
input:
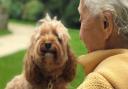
(106, 69)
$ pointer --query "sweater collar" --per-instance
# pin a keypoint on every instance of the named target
(91, 60)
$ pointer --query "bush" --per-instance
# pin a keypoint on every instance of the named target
(71, 15)
(15, 10)
(33, 10)
(54, 7)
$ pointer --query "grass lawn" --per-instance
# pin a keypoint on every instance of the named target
(12, 65)
(4, 32)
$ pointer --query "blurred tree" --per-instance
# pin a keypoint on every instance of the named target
(3, 18)
(65, 10)
(33, 10)
(4, 6)
(16, 9)
(53, 7)
(71, 15)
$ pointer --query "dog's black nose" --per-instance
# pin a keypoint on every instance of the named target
(48, 45)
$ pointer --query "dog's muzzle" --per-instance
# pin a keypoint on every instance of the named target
(48, 45)
(47, 50)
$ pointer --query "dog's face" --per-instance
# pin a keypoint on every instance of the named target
(50, 43)
(49, 53)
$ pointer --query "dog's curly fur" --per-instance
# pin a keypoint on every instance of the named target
(49, 62)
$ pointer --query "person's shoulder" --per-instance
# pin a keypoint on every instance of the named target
(101, 55)
(116, 55)
(114, 68)
(115, 59)
(95, 80)
(91, 60)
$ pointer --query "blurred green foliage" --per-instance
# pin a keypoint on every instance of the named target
(71, 15)
(33, 10)
(15, 10)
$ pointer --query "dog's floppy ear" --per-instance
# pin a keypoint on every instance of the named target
(70, 67)
(32, 72)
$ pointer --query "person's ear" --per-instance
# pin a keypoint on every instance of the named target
(108, 23)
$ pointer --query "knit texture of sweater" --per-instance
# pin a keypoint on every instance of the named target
(106, 69)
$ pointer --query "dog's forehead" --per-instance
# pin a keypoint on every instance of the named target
(49, 27)
(44, 28)
(53, 27)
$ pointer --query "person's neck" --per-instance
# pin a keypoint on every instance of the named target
(116, 40)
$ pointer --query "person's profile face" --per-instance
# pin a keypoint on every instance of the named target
(91, 30)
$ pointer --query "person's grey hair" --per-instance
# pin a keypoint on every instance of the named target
(119, 9)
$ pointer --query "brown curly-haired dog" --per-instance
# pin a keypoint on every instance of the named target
(49, 62)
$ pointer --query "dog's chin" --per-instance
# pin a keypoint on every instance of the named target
(49, 54)
(50, 59)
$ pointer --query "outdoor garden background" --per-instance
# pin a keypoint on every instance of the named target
(17, 22)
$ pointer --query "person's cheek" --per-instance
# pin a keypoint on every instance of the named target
(87, 36)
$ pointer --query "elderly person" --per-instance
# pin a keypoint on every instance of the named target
(104, 30)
